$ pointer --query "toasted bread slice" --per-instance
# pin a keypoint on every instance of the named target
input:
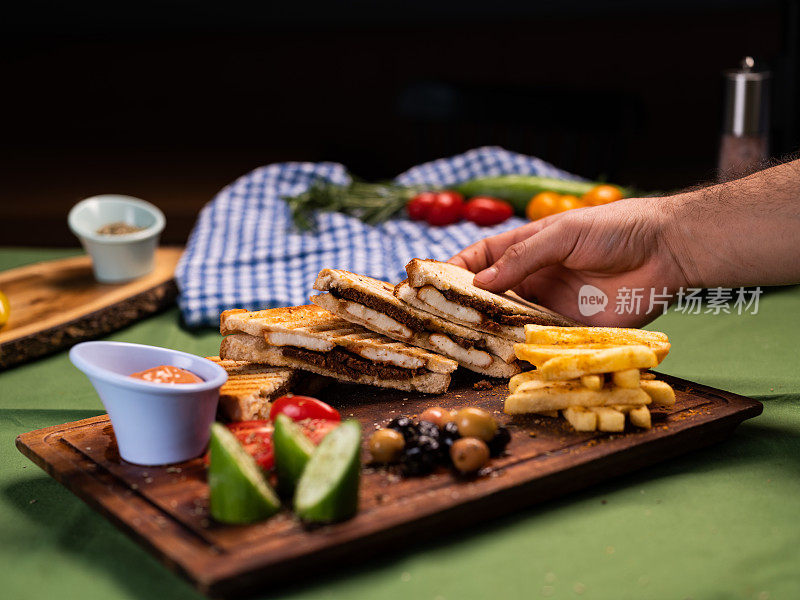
(478, 305)
(470, 357)
(251, 388)
(255, 349)
(314, 328)
(388, 314)
(429, 299)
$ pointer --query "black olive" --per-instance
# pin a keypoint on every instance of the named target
(428, 429)
(406, 427)
(417, 461)
(429, 445)
(498, 443)
(447, 436)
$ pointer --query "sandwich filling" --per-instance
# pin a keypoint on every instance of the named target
(379, 305)
(378, 314)
(490, 311)
(465, 355)
(351, 365)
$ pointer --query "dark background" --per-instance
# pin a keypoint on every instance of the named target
(170, 101)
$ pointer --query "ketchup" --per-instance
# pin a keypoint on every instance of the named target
(167, 374)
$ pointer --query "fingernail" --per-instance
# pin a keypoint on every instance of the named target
(487, 275)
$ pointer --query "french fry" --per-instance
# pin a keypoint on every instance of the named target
(538, 354)
(629, 378)
(640, 417)
(609, 419)
(521, 378)
(647, 375)
(593, 382)
(571, 365)
(660, 392)
(571, 336)
(570, 376)
(581, 419)
(533, 397)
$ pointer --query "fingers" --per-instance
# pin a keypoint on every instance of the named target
(486, 252)
(550, 246)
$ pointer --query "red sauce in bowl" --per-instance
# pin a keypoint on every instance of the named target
(167, 374)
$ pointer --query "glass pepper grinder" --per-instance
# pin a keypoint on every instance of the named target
(745, 134)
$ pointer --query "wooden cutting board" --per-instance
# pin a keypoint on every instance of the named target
(166, 508)
(57, 303)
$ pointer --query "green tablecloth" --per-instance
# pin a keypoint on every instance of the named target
(719, 523)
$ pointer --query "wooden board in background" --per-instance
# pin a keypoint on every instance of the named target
(57, 303)
(166, 508)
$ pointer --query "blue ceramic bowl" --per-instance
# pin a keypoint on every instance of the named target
(154, 423)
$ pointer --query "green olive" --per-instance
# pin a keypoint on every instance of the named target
(385, 445)
(475, 422)
(469, 454)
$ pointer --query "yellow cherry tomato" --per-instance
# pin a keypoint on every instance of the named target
(5, 309)
(602, 194)
(542, 205)
(569, 202)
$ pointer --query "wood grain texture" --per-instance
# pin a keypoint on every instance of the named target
(166, 508)
(55, 304)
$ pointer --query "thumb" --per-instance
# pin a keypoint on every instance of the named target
(550, 246)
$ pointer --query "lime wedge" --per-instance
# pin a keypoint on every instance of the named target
(239, 491)
(292, 451)
(328, 488)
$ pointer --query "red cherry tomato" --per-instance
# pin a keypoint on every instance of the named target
(299, 408)
(256, 437)
(446, 209)
(485, 211)
(419, 205)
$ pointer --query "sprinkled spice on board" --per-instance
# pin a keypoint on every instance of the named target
(118, 228)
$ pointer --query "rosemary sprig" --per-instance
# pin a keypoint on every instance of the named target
(371, 202)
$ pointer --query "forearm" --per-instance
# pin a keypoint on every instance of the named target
(744, 232)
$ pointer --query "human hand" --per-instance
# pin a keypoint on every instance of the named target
(621, 245)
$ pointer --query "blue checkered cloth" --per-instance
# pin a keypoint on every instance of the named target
(245, 253)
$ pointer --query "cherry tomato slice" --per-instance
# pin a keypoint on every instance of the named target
(316, 429)
(256, 437)
(446, 209)
(299, 408)
(419, 205)
(486, 211)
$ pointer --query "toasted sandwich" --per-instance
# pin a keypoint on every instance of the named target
(371, 303)
(251, 388)
(315, 340)
(447, 291)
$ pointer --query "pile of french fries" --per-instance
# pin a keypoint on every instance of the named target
(591, 375)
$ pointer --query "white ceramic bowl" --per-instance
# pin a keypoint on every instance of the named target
(154, 423)
(117, 258)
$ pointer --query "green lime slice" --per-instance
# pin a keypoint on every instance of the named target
(328, 488)
(239, 491)
(292, 451)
